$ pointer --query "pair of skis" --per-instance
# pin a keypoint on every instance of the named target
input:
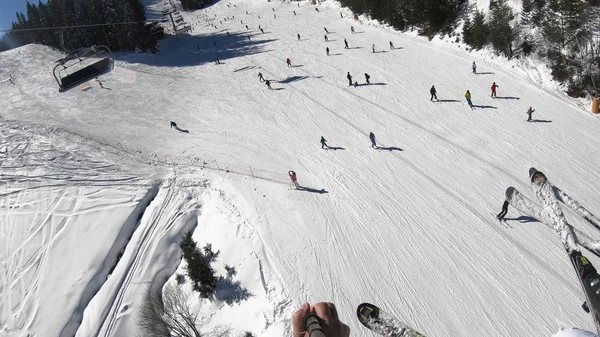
(552, 215)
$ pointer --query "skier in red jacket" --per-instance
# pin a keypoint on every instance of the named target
(494, 86)
(292, 175)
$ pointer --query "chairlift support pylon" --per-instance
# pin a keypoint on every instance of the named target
(77, 58)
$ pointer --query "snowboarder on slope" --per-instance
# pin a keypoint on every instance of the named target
(494, 86)
(260, 77)
(474, 68)
(367, 78)
(433, 93)
(323, 142)
(346, 44)
(292, 175)
(529, 112)
(373, 142)
(289, 62)
(349, 77)
(468, 97)
(501, 215)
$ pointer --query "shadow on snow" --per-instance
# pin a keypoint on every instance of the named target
(191, 50)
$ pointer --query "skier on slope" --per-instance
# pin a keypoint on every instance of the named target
(298, 37)
(326, 38)
(367, 78)
(349, 77)
(391, 45)
(326, 31)
(289, 62)
(494, 86)
(529, 113)
(346, 44)
(323, 143)
(352, 29)
(373, 142)
(292, 175)
(327, 50)
(474, 68)
(268, 83)
(373, 47)
(502, 214)
(433, 93)
(468, 97)
(260, 77)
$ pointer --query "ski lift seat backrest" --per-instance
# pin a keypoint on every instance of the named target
(92, 71)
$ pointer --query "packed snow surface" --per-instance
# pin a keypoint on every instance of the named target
(95, 176)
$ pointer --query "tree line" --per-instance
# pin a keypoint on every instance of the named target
(563, 33)
(135, 35)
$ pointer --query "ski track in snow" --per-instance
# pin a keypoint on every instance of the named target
(387, 222)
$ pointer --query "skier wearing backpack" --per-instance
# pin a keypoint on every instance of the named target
(494, 86)
(433, 93)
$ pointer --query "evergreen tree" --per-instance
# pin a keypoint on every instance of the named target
(502, 32)
(198, 268)
(467, 30)
(479, 31)
(526, 12)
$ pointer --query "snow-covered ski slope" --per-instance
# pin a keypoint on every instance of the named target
(86, 174)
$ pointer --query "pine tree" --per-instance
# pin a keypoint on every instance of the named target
(467, 31)
(526, 12)
(480, 31)
(198, 268)
(502, 32)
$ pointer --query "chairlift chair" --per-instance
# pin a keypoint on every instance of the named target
(186, 27)
(86, 69)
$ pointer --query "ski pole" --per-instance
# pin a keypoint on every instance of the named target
(311, 322)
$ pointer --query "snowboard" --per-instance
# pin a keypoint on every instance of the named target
(383, 323)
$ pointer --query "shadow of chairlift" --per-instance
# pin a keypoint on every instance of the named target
(86, 63)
